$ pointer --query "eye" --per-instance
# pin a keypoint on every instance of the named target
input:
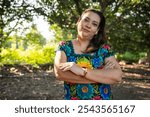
(95, 24)
(86, 19)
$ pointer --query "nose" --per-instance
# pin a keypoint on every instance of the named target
(88, 25)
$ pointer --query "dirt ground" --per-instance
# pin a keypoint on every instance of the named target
(28, 83)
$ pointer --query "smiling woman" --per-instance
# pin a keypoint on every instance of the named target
(87, 26)
(87, 64)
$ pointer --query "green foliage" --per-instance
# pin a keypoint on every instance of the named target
(33, 56)
(127, 20)
(64, 13)
(128, 25)
(12, 11)
(130, 57)
(34, 37)
(10, 56)
(63, 34)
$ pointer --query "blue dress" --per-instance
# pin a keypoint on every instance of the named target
(96, 91)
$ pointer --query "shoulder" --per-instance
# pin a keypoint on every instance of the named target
(63, 43)
(65, 46)
(106, 50)
(106, 46)
(61, 46)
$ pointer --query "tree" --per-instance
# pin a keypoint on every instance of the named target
(64, 13)
(129, 26)
(34, 38)
(127, 20)
(15, 11)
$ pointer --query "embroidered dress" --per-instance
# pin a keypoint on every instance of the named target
(96, 91)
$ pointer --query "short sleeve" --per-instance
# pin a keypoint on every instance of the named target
(108, 50)
(64, 46)
(61, 46)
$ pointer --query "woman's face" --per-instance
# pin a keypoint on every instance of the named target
(88, 25)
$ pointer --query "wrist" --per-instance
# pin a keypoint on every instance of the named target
(84, 72)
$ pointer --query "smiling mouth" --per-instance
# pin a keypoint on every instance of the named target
(85, 30)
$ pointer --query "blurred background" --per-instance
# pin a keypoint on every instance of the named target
(30, 31)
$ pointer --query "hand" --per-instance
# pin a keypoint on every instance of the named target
(72, 66)
(109, 65)
(66, 66)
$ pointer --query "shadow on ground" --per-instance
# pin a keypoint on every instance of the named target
(28, 83)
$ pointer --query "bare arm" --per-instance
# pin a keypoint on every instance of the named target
(67, 75)
(106, 76)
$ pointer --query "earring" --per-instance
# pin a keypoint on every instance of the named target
(96, 32)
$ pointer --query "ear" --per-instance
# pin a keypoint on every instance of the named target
(96, 31)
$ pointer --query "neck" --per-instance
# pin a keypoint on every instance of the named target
(83, 43)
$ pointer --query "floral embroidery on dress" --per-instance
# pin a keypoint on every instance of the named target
(85, 91)
(67, 92)
(97, 98)
(105, 91)
(84, 62)
(97, 62)
(95, 91)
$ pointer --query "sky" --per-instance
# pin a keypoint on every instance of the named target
(43, 27)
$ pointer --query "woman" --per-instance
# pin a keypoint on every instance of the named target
(86, 64)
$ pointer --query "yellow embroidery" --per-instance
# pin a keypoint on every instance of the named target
(84, 62)
(85, 89)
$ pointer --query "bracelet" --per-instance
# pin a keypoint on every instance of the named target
(85, 72)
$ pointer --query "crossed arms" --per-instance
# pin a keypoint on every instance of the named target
(71, 72)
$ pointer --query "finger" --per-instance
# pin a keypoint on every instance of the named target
(62, 67)
(108, 62)
(66, 66)
(109, 65)
(66, 69)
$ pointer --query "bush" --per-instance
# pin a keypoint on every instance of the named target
(33, 56)
(130, 57)
(10, 56)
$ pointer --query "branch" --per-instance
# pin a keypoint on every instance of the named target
(77, 2)
(13, 28)
(118, 4)
(104, 4)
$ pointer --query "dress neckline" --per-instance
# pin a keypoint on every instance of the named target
(82, 54)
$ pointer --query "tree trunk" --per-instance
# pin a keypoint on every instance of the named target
(148, 57)
(103, 5)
